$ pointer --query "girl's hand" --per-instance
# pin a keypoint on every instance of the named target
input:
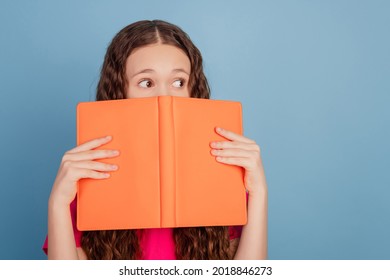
(243, 152)
(79, 163)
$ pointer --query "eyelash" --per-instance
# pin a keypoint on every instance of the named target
(183, 81)
(145, 80)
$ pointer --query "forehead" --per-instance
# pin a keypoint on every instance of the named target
(157, 57)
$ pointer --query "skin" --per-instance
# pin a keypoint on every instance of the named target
(157, 70)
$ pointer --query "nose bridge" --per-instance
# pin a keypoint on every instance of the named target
(163, 89)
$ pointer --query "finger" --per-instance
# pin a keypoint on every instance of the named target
(91, 144)
(74, 173)
(243, 162)
(232, 135)
(91, 155)
(88, 173)
(94, 165)
(232, 153)
(235, 145)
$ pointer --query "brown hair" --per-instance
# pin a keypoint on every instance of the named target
(191, 243)
(113, 82)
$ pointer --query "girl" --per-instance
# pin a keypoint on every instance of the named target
(151, 58)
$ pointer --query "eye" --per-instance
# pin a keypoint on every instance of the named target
(178, 83)
(145, 83)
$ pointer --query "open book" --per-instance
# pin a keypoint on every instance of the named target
(167, 176)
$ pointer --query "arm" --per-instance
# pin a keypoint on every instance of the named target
(61, 243)
(244, 152)
(253, 241)
(76, 164)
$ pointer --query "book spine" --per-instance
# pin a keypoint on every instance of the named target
(167, 162)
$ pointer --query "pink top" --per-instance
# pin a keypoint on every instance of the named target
(156, 243)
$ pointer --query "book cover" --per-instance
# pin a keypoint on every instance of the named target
(167, 176)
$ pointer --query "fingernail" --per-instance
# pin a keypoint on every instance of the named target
(108, 137)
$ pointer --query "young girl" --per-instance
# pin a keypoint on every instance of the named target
(151, 58)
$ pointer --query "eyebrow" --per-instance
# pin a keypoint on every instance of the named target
(152, 71)
(180, 70)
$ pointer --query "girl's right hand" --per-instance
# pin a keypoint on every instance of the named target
(79, 163)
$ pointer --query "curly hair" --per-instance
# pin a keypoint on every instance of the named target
(191, 243)
(113, 82)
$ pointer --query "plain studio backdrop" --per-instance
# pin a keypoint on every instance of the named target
(312, 76)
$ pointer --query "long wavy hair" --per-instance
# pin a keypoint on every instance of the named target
(199, 243)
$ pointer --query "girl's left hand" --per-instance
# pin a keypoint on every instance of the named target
(243, 152)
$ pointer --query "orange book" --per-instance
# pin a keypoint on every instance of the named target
(167, 176)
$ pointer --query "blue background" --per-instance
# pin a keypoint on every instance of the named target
(312, 76)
